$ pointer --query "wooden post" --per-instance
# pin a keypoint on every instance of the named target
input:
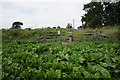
(59, 33)
(96, 34)
(45, 36)
(70, 39)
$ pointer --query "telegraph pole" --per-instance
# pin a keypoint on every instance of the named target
(73, 24)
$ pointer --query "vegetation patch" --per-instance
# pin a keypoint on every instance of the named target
(86, 60)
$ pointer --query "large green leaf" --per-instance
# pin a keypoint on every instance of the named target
(87, 74)
(104, 72)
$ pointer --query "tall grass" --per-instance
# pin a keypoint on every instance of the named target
(32, 34)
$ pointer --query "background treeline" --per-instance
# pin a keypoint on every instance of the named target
(100, 14)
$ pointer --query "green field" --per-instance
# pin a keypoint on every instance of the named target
(30, 60)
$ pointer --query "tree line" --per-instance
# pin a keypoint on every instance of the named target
(101, 14)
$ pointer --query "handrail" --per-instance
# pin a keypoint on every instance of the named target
(83, 33)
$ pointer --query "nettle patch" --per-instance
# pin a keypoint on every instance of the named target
(30, 60)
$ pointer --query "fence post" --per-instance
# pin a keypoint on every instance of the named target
(96, 33)
(72, 34)
(70, 39)
(59, 33)
(45, 37)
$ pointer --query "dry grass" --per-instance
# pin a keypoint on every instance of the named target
(110, 31)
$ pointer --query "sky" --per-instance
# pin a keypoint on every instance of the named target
(41, 13)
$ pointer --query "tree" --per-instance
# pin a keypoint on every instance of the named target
(108, 14)
(69, 26)
(79, 27)
(17, 25)
(58, 27)
(111, 13)
(48, 27)
(54, 27)
(101, 14)
(93, 17)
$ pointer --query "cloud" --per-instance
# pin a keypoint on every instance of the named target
(45, 0)
(41, 14)
(0, 15)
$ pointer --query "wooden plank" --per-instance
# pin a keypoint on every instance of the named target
(63, 36)
(81, 39)
(56, 39)
(85, 30)
(70, 32)
(51, 31)
(104, 35)
(52, 34)
(84, 33)
(53, 39)
(56, 34)
(83, 36)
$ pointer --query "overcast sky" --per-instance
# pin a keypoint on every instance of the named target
(41, 13)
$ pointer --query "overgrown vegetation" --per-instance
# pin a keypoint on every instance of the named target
(30, 60)
(25, 34)
(32, 34)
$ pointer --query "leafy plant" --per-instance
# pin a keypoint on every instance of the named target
(30, 60)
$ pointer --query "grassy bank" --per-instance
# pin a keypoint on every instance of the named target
(25, 34)
(32, 34)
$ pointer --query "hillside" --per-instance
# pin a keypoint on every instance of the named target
(33, 34)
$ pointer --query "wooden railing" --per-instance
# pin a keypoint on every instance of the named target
(83, 34)
(76, 35)
(51, 36)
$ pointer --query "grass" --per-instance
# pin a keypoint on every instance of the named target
(112, 31)
(25, 34)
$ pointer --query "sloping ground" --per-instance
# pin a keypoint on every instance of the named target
(33, 34)
(114, 31)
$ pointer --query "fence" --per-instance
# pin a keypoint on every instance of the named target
(79, 35)
(51, 36)
(74, 35)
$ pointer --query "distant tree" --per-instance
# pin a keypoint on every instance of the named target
(69, 26)
(48, 28)
(54, 27)
(58, 27)
(17, 25)
(28, 28)
(3, 28)
(79, 27)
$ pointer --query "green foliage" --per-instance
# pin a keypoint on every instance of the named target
(16, 25)
(58, 27)
(54, 27)
(69, 26)
(93, 16)
(30, 60)
(101, 14)
(27, 34)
